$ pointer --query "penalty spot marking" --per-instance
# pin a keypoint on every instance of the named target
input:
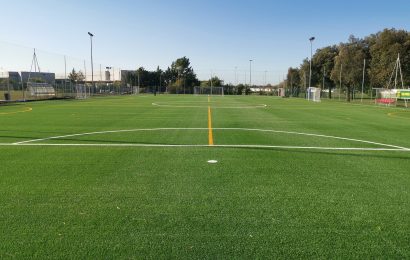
(212, 161)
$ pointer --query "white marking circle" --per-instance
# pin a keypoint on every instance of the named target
(384, 147)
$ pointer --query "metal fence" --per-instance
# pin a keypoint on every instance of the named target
(19, 91)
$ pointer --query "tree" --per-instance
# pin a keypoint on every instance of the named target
(180, 76)
(323, 63)
(351, 57)
(240, 89)
(76, 76)
(304, 74)
(380, 51)
(294, 80)
(215, 81)
(160, 79)
(384, 48)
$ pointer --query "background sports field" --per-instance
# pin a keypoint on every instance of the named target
(295, 179)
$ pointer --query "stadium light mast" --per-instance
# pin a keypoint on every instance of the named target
(92, 65)
(311, 39)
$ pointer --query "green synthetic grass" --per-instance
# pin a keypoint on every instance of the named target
(98, 202)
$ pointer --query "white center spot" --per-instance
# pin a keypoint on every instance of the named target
(212, 161)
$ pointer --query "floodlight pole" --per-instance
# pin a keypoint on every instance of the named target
(311, 39)
(92, 62)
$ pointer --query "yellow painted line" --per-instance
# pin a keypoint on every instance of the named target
(397, 114)
(210, 134)
(28, 109)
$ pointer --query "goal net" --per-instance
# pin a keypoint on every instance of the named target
(313, 94)
(215, 91)
(80, 91)
(385, 96)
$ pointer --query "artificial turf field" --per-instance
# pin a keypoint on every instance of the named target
(128, 177)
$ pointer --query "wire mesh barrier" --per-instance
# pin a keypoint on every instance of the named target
(29, 74)
(219, 91)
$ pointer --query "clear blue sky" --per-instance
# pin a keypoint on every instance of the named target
(216, 35)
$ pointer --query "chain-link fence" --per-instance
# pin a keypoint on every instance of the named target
(31, 74)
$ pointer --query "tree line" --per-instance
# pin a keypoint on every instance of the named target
(343, 65)
(177, 78)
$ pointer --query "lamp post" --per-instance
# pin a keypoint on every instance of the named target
(92, 63)
(311, 39)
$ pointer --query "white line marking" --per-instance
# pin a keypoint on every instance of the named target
(315, 135)
(216, 107)
(107, 132)
(210, 146)
(206, 129)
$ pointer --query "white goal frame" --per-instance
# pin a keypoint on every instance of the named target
(313, 94)
(213, 91)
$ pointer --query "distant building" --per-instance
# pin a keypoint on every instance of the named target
(107, 75)
(44, 77)
(14, 77)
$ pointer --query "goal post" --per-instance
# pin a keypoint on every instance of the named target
(214, 91)
(389, 97)
(313, 94)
